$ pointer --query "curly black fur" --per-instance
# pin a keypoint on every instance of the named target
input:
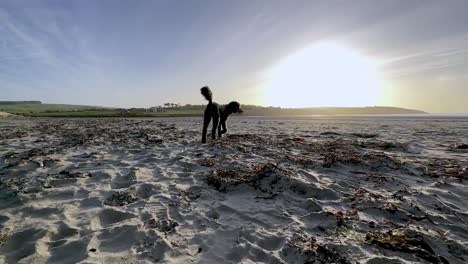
(219, 114)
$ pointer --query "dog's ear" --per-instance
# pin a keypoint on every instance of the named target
(234, 107)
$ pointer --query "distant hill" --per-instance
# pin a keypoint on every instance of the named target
(19, 102)
(36, 108)
(371, 110)
(272, 111)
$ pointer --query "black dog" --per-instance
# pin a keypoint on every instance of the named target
(219, 114)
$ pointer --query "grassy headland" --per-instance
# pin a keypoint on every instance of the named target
(62, 110)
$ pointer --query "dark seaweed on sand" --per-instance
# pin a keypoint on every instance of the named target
(221, 179)
(316, 252)
(120, 199)
(399, 241)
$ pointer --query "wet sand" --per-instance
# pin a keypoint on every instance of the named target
(274, 190)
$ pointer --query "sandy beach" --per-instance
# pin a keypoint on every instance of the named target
(273, 190)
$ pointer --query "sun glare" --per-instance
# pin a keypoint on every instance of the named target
(322, 75)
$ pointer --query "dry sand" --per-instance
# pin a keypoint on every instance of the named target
(275, 190)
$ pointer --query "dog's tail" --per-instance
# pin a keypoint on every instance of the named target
(206, 92)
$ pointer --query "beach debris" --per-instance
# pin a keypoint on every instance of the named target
(462, 146)
(391, 207)
(330, 133)
(315, 250)
(221, 179)
(381, 145)
(337, 151)
(191, 194)
(3, 237)
(331, 158)
(441, 232)
(364, 135)
(11, 187)
(404, 242)
(207, 162)
(444, 167)
(458, 173)
(45, 162)
(71, 175)
(343, 216)
(164, 225)
(362, 194)
(302, 160)
(120, 199)
(12, 159)
(149, 136)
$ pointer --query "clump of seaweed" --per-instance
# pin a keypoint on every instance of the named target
(382, 145)
(190, 194)
(222, 178)
(462, 146)
(314, 250)
(362, 194)
(331, 158)
(207, 162)
(71, 175)
(399, 241)
(330, 133)
(342, 217)
(120, 199)
(378, 159)
(3, 237)
(457, 173)
(11, 187)
(364, 135)
(165, 225)
(302, 160)
(337, 151)
(15, 134)
(445, 167)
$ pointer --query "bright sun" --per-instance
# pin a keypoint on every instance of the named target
(322, 75)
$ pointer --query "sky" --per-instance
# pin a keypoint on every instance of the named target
(145, 53)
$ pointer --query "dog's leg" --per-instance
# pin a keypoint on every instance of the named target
(222, 127)
(206, 122)
(215, 126)
(219, 129)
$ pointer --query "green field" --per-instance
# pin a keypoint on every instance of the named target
(114, 113)
(44, 108)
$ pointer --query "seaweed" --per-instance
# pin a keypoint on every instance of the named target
(364, 135)
(398, 241)
(301, 160)
(461, 146)
(120, 199)
(222, 178)
(207, 162)
(315, 250)
(3, 237)
(165, 225)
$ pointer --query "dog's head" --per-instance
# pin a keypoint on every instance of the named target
(234, 107)
(206, 92)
